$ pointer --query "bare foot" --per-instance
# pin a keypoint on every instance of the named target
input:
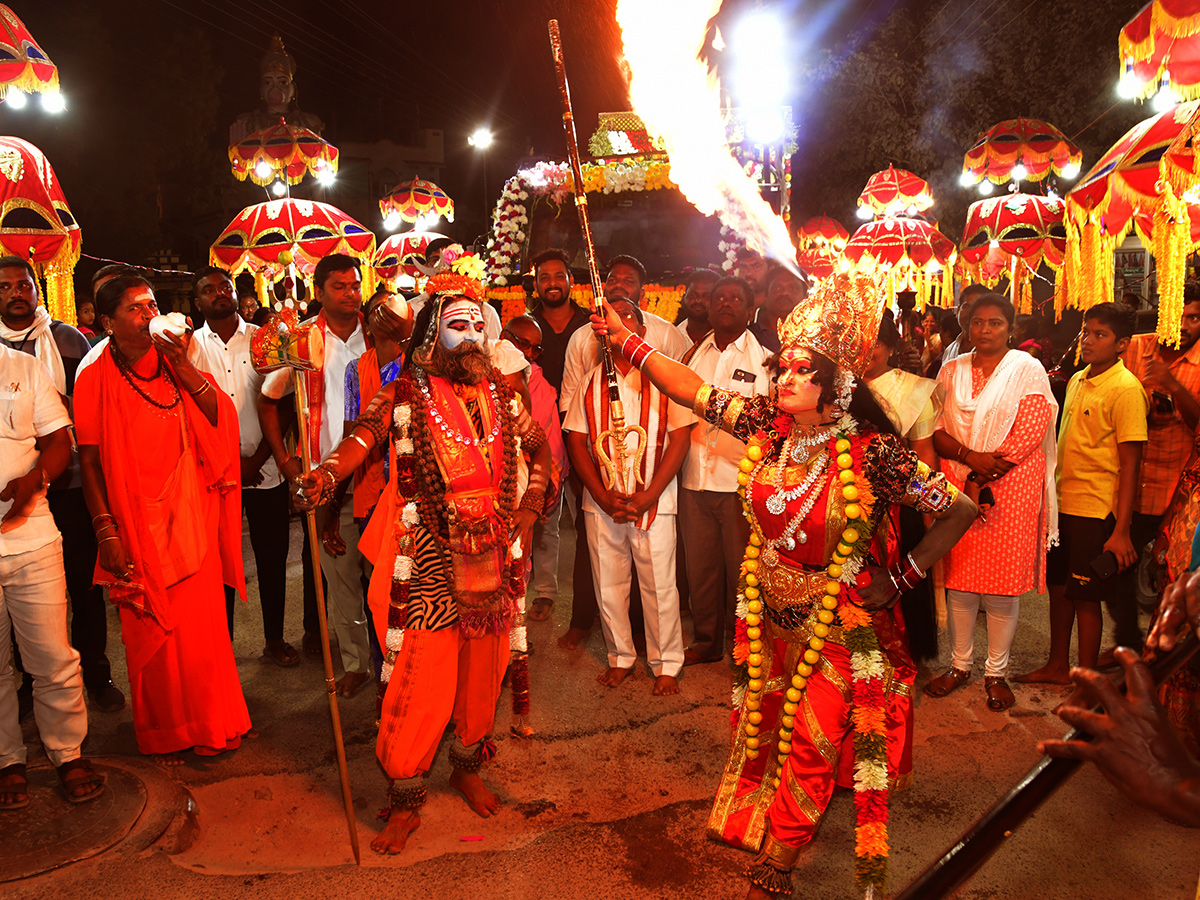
(478, 797)
(169, 759)
(348, 684)
(394, 836)
(614, 676)
(664, 685)
(1047, 674)
(572, 639)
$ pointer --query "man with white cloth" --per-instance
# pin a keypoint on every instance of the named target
(27, 327)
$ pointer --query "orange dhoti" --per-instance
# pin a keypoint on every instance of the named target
(749, 812)
(439, 675)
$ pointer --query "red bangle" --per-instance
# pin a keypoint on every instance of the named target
(636, 350)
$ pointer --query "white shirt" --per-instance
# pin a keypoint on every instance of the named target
(583, 353)
(230, 365)
(30, 407)
(630, 388)
(951, 352)
(713, 457)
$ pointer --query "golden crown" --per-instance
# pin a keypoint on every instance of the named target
(840, 319)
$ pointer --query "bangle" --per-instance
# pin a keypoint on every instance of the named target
(330, 485)
(200, 390)
(111, 537)
(104, 528)
(109, 516)
(963, 452)
(636, 350)
(363, 443)
(920, 572)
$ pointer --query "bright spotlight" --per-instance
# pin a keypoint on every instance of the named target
(1070, 170)
(326, 176)
(985, 187)
(1163, 100)
(279, 189)
(864, 212)
(54, 102)
(966, 179)
(1128, 86)
(16, 99)
(392, 221)
(1019, 172)
(765, 126)
(263, 169)
(481, 139)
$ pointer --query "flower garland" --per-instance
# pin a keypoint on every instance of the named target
(866, 659)
(555, 182)
(731, 242)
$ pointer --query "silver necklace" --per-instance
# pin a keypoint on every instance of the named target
(813, 484)
(454, 434)
(801, 443)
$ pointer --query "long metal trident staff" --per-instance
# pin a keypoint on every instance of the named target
(618, 466)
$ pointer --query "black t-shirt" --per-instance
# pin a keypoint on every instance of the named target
(554, 344)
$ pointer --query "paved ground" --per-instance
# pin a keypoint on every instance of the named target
(609, 798)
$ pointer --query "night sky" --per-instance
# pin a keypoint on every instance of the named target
(153, 85)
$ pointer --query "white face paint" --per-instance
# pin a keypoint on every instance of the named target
(462, 320)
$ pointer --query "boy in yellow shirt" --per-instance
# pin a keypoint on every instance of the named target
(1099, 452)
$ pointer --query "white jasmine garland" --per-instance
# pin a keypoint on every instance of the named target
(870, 775)
(402, 414)
(409, 514)
(850, 569)
(739, 695)
(402, 568)
(742, 609)
(404, 446)
(866, 666)
(394, 637)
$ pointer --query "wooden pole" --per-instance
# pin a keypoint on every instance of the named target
(314, 547)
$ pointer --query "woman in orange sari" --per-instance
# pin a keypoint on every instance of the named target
(158, 449)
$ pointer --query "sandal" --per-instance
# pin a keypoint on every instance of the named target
(281, 653)
(999, 694)
(79, 773)
(13, 781)
(942, 685)
(539, 610)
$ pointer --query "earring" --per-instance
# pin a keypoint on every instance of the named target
(108, 332)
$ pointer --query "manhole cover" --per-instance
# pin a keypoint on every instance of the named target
(51, 832)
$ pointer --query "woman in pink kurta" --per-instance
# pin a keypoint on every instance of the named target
(996, 433)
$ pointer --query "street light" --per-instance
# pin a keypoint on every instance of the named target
(481, 140)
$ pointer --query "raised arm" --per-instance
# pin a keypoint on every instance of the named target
(673, 378)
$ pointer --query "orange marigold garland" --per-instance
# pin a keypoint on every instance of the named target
(868, 717)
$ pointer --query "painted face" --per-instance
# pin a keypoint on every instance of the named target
(795, 391)
(462, 320)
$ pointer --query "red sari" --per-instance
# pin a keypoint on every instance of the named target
(183, 679)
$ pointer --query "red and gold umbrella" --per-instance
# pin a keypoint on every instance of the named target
(36, 223)
(822, 232)
(283, 151)
(1013, 236)
(1160, 47)
(917, 256)
(1030, 146)
(398, 253)
(895, 192)
(307, 229)
(415, 199)
(23, 64)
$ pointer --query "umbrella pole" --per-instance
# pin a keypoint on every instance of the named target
(314, 547)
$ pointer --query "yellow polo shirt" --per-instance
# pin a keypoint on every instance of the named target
(1098, 414)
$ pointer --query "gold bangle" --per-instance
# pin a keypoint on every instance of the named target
(200, 390)
(111, 537)
(364, 444)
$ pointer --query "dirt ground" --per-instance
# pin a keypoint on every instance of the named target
(609, 798)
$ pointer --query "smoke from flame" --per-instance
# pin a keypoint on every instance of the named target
(680, 101)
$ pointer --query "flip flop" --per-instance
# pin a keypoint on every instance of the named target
(944, 684)
(18, 784)
(281, 653)
(539, 610)
(80, 773)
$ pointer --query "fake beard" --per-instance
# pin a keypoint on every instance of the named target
(466, 364)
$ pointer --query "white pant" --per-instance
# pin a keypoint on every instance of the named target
(621, 547)
(1002, 614)
(33, 603)
(544, 578)
(347, 612)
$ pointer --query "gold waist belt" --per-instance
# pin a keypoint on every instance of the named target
(794, 590)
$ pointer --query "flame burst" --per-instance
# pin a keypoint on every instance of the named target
(679, 99)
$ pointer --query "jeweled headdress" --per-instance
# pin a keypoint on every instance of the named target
(840, 319)
(456, 279)
(277, 59)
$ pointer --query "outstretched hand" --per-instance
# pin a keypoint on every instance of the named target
(1180, 603)
(1133, 744)
(610, 324)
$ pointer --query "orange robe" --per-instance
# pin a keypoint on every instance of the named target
(183, 679)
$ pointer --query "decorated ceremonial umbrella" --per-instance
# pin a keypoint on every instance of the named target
(1020, 150)
(1131, 187)
(917, 256)
(283, 151)
(414, 200)
(23, 64)
(1160, 50)
(399, 253)
(36, 223)
(819, 244)
(307, 229)
(894, 192)
(1013, 235)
